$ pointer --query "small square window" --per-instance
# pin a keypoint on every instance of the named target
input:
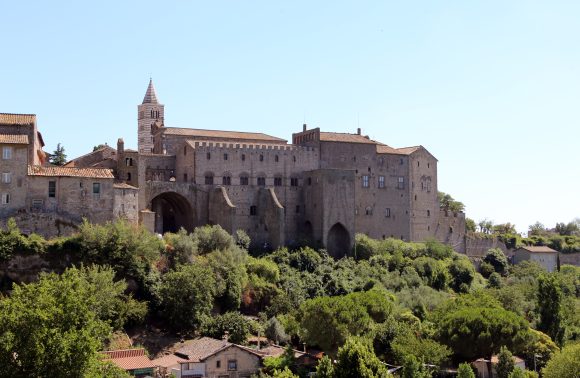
(244, 180)
(218, 364)
(261, 181)
(232, 365)
(6, 153)
(365, 181)
(243, 157)
(6, 177)
(381, 181)
(277, 181)
(253, 210)
(226, 180)
(96, 188)
(294, 181)
(208, 180)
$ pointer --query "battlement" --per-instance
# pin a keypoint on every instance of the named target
(208, 145)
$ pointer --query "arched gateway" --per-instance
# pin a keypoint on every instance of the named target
(172, 212)
(338, 242)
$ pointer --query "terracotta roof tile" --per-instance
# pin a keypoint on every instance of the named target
(17, 119)
(53, 171)
(13, 139)
(345, 137)
(221, 134)
(539, 249)
(129, 359)
(199, 349)
(168, 361)
(122, 185)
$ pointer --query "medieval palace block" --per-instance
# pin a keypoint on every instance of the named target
(321, 189)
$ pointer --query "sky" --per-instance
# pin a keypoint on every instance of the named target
(491, 88)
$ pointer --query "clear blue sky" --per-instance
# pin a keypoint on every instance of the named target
(491, 88)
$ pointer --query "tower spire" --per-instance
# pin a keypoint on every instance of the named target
(150, 95)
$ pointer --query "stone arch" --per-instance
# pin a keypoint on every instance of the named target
(338, 241)
(172, 212)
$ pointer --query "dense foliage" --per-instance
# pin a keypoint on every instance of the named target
(415, 305)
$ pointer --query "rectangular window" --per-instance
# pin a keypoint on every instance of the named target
(129, 162)
(208, 180)
(261, 181)
(6, 153)
(208, 156)
(309, 180)
(225, 156)
(253, 210)
(365, 181)
(5, 198)
(243, 157)
(185, 177)
(381, 181)
(297, 209)
(294, 181)
(400, 183)
(6, 177)
(277, 181)
(232, 365)
(96, 188)
(52, 189)
(244, 180)
(226, 180)
(218, 364)
(387, 212)
(428, 213)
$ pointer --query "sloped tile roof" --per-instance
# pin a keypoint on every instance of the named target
(201, 348)
(17, 119)
(234, 135)
(345, 137)
(13, 139)
(539, 249)
(54, 171)
(168, 361)
(129, 359)
(384, 149)
(122, 185)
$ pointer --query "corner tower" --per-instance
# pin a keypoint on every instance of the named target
(150, 115)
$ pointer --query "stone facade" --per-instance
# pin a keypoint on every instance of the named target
(321, 189)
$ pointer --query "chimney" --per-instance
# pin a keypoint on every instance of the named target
(120, 146)
(358, 131)
(304, 127)
(226, 336)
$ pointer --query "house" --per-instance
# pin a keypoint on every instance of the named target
(485, 368)
(210, 358)
(545, 256)
(168, 364)
(134, 361)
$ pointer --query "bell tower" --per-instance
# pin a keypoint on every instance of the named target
(150, 113)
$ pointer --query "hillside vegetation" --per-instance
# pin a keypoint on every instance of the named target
(407, 304)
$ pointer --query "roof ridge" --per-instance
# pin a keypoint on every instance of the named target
(225, 131)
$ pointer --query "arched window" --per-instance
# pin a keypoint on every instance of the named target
(278, 181)
(128, 176)
(261, 157)
(227, 179)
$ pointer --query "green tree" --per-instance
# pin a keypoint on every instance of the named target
(187, 296)
(357, 359)
(465, 371)
(58, 157)
(275, 331)
(49, 328)
(470, 225)
(229, 271)
(237, 326)
(537, 229)
(517, 373)
(564, 364)
(462, 274)
(414, 368)
(448, 203)
(474, 326)
(212, 238)
(325, 369)
(505, 363)
(497, 259)
(550, 307)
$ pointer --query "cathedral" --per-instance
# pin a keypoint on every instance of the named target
(320, 189)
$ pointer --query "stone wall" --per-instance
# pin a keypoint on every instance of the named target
(17, 187)
(478, 246)
(450, 229)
